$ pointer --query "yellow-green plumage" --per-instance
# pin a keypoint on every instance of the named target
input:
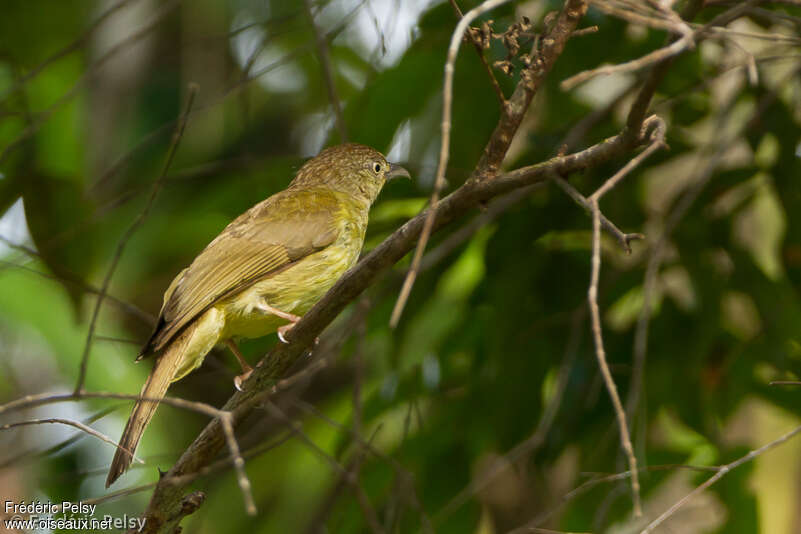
(284, 254)
(292, 286)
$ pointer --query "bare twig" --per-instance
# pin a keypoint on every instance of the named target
(657, 142)
(638, 12)
(480, 51)
(540, 530)
(239, 463)
(21, 456)
(75, 424)
(176, 138)
(444, 151)
(76, 282)
(511, 118)
(598, 479)
(622, 237)
(656, 56)
(361, 496)
(722, 471)
(324, 56)
(686, 42)
(656, 128)
(43, 399)
(224, 417)
(185, 479)
(600, 353)
(656, 74)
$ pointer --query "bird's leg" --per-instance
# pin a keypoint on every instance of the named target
(246, 368)
(291, 317)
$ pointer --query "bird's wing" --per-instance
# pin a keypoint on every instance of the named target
(268, 238)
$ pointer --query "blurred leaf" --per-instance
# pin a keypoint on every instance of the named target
(760, 228)
(59, 217)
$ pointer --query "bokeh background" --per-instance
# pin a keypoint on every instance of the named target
(485, 408)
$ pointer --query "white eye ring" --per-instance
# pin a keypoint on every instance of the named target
(376, 167)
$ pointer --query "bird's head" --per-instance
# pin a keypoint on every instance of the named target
(350, 168)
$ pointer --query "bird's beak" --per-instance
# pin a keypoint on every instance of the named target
(396, 171)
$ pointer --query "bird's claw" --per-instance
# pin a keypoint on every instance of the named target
(282, 330)
(238, 380)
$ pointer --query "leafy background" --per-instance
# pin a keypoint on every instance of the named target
(496, 328)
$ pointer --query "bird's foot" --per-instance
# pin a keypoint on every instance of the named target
(246, 368)
(240, 379)
(282, 330)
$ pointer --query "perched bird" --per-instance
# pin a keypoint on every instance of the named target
(264, 271)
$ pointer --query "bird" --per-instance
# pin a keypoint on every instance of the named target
(266, 269)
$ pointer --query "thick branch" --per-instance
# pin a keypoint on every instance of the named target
(166, 501)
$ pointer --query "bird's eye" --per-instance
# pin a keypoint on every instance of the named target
(376, 167)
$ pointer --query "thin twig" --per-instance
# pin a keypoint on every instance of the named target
(597, 480)
(444, 151)
(184, 479)
(622, 237)
(75, 424)
(239, 463)
(87, 288)
(406, 477)
(657, 142)
(540, 530)
(17, 459)
(673, 49)
(41, 399)
(361, 496)
(176, 138)
(656, 127)
(686, 42)
(662, 19)
(722, 471)
(480, 51)
(324, 56)
(595, 315)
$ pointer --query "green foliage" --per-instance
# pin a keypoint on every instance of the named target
(477, 357)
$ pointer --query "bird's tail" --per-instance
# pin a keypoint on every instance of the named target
(163, 373)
